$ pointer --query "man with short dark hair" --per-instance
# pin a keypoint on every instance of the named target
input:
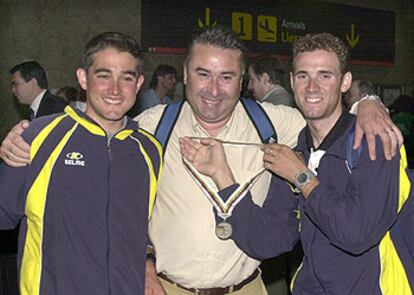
(83, 219)
(161, 88)
(265, 81)
(29, 86)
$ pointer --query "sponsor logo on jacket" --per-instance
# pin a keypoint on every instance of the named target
(74, 159)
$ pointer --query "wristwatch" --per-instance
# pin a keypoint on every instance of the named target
(303, 178)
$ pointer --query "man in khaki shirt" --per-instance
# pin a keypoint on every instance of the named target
(182, 228)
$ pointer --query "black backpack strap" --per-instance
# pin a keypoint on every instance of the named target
(166, 124)
(260, 120)
(352, 156)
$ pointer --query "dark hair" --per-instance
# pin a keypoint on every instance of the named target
(69, 93)
(31, 70)
(119, 41)
(269, 65)
(323, 41)
(220, 37)
(161, 70)
(365, 87)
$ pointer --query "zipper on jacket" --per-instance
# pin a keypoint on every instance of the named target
(108, 201)
(108, 144)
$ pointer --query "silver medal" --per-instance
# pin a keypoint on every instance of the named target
(224, 230)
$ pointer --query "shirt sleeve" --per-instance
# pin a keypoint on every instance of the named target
(12, 195)
(288, 122)
(267, 231)
(148, 119)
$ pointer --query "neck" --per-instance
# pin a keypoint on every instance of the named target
(110, 127)
(160, 91)
(213, 129)
(37, 92)
(319, 129)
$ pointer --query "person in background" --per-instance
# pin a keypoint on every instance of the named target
(266, 79)
(69, 93)
(29, 85)
(402, 113)
(161, 88)
(358, 90)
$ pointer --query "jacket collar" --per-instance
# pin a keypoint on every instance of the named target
(334, 142)
(89, 124)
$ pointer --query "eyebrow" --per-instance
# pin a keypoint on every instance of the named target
(105, 70)
(300, 72)
(326, 72)
(319, 72)
(222, 73)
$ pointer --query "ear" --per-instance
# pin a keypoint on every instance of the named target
(33, 82)
(346, 82)
(265, 78)
(140, 81)
(185, 74)
(291, 80)
(82, 79)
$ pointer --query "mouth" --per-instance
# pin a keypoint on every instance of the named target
(112, 101)
(313, 99)
(210, 101)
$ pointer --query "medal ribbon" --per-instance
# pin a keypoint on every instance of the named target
(224, 209)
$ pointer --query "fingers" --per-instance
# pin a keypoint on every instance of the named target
(21, 126)
(15, 152)
(359, 135)
(398, 134)
(268, 156)
(189, 148)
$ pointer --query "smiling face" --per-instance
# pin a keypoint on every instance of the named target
(318, 85)
(213, 77)
(111, 84)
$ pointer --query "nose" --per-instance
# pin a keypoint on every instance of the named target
(114, 87)
(214, 86)
(312, 85)
(250, 86)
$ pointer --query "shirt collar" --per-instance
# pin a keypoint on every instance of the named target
(337, 131)
(36, 102)
(198, 129)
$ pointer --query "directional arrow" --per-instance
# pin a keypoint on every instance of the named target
(207, 20)
(354, 38)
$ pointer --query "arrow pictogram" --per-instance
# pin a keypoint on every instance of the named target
(206, 23)
(354, 38)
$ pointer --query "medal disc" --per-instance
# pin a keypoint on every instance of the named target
(224, 230)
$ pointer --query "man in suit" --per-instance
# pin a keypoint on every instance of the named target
(29, 86)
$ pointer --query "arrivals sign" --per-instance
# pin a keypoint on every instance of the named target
(271, 26)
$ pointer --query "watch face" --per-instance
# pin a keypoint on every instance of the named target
(302, 178)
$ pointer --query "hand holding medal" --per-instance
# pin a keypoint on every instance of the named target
(207, 158)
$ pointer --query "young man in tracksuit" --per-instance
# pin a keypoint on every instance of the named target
(355, 224)
(85, 200)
